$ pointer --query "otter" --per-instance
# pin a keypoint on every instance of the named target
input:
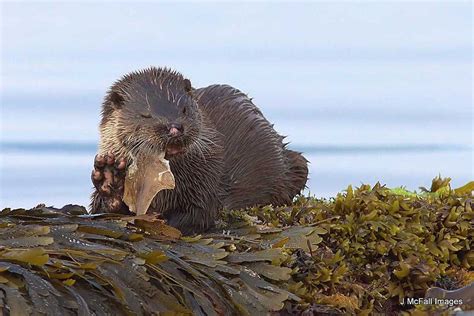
(223, 152)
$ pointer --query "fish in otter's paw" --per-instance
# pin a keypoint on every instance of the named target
(222, 151)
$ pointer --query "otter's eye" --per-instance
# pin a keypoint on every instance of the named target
(184, 110)
(145, 115)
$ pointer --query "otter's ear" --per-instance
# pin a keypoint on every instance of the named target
(116, 99)
(187, 86)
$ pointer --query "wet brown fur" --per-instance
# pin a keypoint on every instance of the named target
(233, 158)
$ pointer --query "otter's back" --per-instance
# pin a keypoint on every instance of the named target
(256, 163)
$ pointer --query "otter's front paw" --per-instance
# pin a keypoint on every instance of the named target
(108, 178)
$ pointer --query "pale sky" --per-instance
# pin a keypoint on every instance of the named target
(395, 61)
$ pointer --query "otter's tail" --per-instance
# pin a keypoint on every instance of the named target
(297, 173)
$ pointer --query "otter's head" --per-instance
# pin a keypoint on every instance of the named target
(152, 110)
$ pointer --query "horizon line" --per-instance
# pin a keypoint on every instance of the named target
(78, 146)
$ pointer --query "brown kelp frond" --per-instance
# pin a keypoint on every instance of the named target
(360, 252)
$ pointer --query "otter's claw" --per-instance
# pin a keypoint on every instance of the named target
(108, 178)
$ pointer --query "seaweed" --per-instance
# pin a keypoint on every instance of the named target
(362, 252)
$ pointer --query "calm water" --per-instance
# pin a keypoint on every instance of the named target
(369, 91)
(59, 174)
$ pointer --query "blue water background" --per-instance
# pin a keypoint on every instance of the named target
(368, 91)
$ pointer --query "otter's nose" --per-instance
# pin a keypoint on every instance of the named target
(175, 129)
